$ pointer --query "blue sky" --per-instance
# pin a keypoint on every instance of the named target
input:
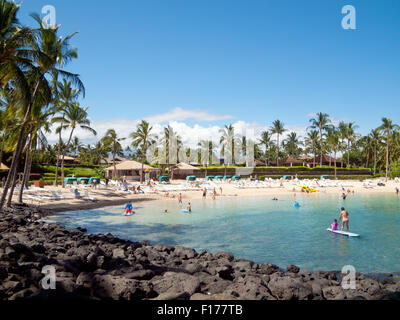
(248, 61)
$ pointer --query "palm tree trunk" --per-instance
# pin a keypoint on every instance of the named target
(320, 133)
(387, 154)
(277, 154)
(115, 166)
(348, 153)
(63, 156)
(10, 182)
(3, 142)
(58, 158)
(334, 160)
(141, 173)
(25, 178)
(18, 150)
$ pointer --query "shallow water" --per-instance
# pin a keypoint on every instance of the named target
(263, 230)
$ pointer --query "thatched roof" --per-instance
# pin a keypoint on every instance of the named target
(130, 165)
(109, 160)
(3, 167)
(67, 158)
(184, 166)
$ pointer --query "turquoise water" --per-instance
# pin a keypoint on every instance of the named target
(263, 230)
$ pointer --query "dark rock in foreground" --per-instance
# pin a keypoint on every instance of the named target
(105, 267)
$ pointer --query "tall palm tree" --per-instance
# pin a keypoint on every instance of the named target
(171, 151)
(292, 144)
(228, 141)
(65, 95)
(350, 135)
(387, 128)
(46, 56)
(266, 141)
(312, 142)
(143, 139)
(333, 140)
(277, 128)
(322, 123)
(113, 144)
(74, 116)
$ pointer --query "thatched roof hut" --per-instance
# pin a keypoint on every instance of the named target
(3, 167)
(130, 169)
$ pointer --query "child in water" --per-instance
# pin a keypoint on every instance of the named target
(334, 225)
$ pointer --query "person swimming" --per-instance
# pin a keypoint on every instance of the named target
(334, 225)
(344, 196)
(275, 199)
(296, 204)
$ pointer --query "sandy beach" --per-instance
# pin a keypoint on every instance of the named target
(111, 197)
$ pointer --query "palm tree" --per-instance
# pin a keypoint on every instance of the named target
(65, 95)
(322, 123)
(74, 116)
(350, 134)
(143, 139)
(277, 128)
(113, 144)
(387, 127)
(333, 139)
(46, 55)
(227, 140)
(312, 142)
(292, 144)
(266, 140)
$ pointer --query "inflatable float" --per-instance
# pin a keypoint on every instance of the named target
(308, 189)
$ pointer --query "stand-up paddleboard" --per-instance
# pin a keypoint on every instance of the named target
(345, 233)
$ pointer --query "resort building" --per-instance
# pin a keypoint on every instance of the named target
(131, 170)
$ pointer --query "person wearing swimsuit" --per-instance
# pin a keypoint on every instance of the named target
(344, 215)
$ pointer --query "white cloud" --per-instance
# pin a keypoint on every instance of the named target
(190, 135)
(179, 114)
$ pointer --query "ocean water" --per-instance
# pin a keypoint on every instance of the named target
(262, 230)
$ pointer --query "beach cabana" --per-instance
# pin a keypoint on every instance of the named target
(325, 176)
(182, 170)
(70, 180)
(131, 170)
(191, 178)
(218, 177)
(163, 179)
(226, 177)
(209, 177)
(287, 177)
(3, 167)
(83, 180)
(236, 178)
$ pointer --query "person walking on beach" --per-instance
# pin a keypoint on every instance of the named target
(180, 198)
(344, 215)
(397, 190)
(214, 194)
(204, 193)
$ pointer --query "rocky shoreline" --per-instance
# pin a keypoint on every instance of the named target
(105, 267)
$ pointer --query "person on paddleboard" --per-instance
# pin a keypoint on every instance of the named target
(344, 215)
(334, 225)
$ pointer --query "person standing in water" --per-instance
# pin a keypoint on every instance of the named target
(189, 207)
(128, 208)
(344, 215)
(204, 193)
(180, 198)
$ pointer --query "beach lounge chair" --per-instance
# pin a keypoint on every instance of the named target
(86, 196)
